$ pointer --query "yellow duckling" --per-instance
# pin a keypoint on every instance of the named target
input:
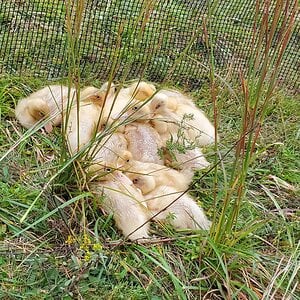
(147, 176)
(110, 151)
(82, 122)
(180, 210)
(126, 203)
(49, 102)
(139, 90)
(192, 120)
(127, 103)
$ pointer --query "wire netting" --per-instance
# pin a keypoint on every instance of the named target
(139, 38)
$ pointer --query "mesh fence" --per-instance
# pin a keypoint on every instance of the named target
(137, 37)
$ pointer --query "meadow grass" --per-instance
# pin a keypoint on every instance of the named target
(67, 255)
(56, 243)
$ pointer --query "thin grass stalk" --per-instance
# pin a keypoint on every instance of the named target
(208, 39)
(255, 104)
(256, 120)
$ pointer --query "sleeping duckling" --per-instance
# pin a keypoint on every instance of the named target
(126, 103)
(82, 125)
(147, 176)
(111, 150)
(189, 160)
(139, 90)
(47, 102)
(180, 210)
(192, 120)
(126, 203)
(175, 97)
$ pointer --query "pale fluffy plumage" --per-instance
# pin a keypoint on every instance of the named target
(143, 142)
(126, 204)
(147, 176)
(83, 122)
(183, 213)
(139, 90)
(127, 103)
(175, 97)
(110, 151)
(192, 120)
(190, 160)
(49, 102)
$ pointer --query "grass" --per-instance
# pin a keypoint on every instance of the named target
(49, 260)
(65, 248)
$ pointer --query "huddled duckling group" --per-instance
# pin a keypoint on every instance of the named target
(123, 136)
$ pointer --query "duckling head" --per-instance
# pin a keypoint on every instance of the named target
(146, 183)
(109, 88)
(101, 171)
(159, 124)
(38, 108)
(93, 95)
(161, 104)
(124, 161)
(138, 112)
(34, 110)
(142, 90)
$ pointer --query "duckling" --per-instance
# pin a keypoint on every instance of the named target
(139, 90)
(176, 97)
(192, 120)
(137, 112)
(180, 210)
(96, 95)
(47, 102)
(189, 160)
(82, 125)
(126, 203)
(126, 103)
(147, 176)
(143, 142)
(112, 149)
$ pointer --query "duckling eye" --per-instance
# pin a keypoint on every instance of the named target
(108, 169)
(135, 108)
(135, 180)
(128, 160)
(41, 114)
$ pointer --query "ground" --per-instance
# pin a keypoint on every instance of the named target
(73, 251)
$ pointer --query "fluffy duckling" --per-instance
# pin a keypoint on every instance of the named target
(176, 97)
(144, 142)
(139, 90)
(126, 203)
(82, 125)
(192, 120)
(147, 176)
(190, 160)
(183, 212)
(47, 102)
(111, 150)
(126, 103)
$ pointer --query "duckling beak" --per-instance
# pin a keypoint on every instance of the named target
(48, 127)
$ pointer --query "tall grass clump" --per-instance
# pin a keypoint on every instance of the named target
(231, 243)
